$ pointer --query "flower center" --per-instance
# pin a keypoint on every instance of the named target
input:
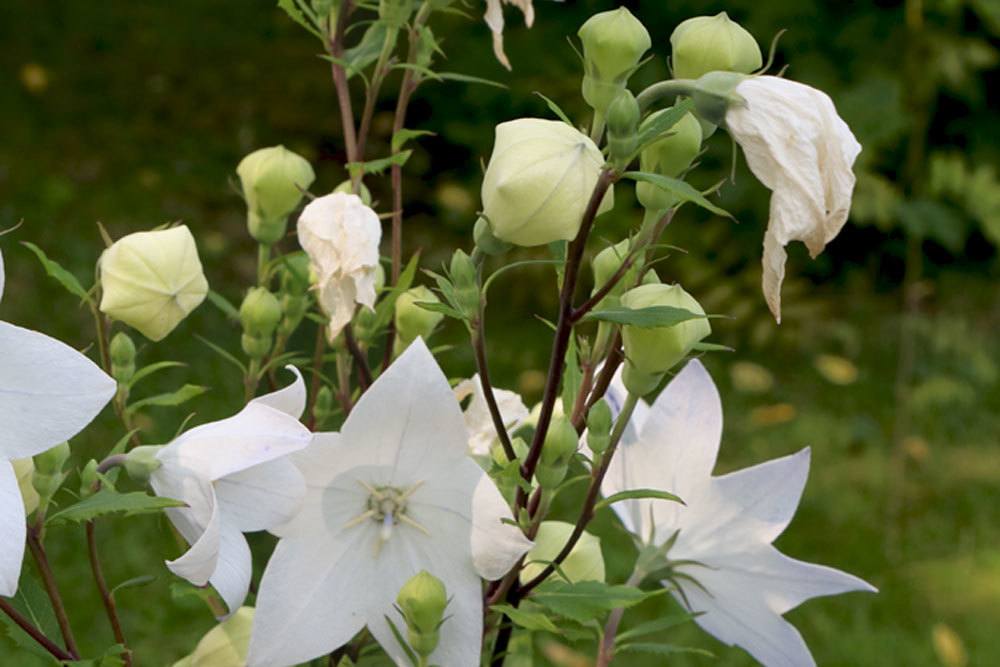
(386, 506)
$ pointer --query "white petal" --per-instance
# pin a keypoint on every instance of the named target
(496, 545)
(257, 434)
(478, 420)
(261, 497)
(408, 420)
(3, 276)
(743, 509)
(231, 578)
(198, 563)
(11, 528)
(675, 452)
(291, 399)
(48, 391)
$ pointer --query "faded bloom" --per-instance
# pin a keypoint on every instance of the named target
(341, 236)
(725, 530)
(538, 181)
(494, 19)
(392, 494)
(48, 393)
(478, 421)
(797, 146)
(151, 281)
(235, 477)
(704, 44)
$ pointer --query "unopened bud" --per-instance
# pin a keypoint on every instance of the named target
(413, 320)
(613, 44)
(561, 442)
(122, 352)
(623, 121)
(712, 43)
(52, 460)
(225, 645)
(24, 471)
(584, 563)
(606, 264)
(324, 405)
(669, 156)
(486, 241)
(599, 423)
(88, 479)
(140, 462)
(259, 315)
(273, 180)
(422, 600)
(466, 281)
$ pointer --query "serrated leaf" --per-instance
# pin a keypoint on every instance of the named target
(400, 137)
(61, 275)
(685, 192)
(651, 316)
(168, 399)
(638, 494)
(365, 52)
(112, 658)
(107, 501)
(379, 165)
(436, 307)
(32, 601)
(662, 649)
(656, 625)
(529, 620)
(296, 14)
(554, 108)
(584, 601)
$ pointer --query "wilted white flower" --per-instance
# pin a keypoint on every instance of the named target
(478, 421)
(796, 145)
(391, 494)
(235, 477)
(48, 393)
(341, 236)
(151, 281)
(494, 19)
(727, 524)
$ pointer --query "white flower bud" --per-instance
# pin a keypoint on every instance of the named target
(539, 180)
(152, 280)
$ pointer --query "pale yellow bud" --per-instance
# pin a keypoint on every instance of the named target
(584, 563)
(225, 645)
(712, 43)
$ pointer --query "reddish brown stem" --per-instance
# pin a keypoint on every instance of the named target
(36, 634)
(107, 597)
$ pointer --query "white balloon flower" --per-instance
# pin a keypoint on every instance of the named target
(797, 146)
(391, 494)
(48, 393)
(482, 433)
(727, 524)
(235, 477)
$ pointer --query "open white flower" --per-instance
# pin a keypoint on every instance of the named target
(727, 525)
(478, 421)
(235, 477)
(391, 494)
(797, 146)
(341, 236)
(494, 19)
(48, 393)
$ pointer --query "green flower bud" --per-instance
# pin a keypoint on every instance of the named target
(584, 563)
(88, 479)
(607, 262)
(538, 181)
(347, 187)
(714, 93)
(323, 409)
(652, 351)
(422, 600)
(613, 44)
(122, 351)
(225, 645)
(24, 471)
(140, 462)
(599, 423)
(52, 460)
(151, 281)
(669, 156)
(259, 315)
(499, 456)
(466, 281)
(273, 181)
(412, 320)
(486, 241)
(623, 121)
(561, 443)
(712, 43)
(295, 273)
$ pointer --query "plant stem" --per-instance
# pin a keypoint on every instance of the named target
(606, 653)
(664, 90)
(263, 257)
(36, 634)
(106, 595)
(48, 579)
(340, 81)
(317, 377)
(360, 358)
(478, 334)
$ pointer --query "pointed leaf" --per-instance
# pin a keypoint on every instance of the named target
(107, 501)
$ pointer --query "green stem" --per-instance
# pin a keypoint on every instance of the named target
(607, 650)
(663, 91)
(263, 257)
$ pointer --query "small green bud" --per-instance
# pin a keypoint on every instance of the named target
(122, 352)
(613, 44)
(273, 181)
(259, 315)
(607, 262)
(499, 456)
(46, 486)
(413, 320)
(51, 461)
(466, 281)
(486, 241)
(347, 187)
(422, 600)
(24, 471)
(295, 273)
(561, 443)
(599, 425)
(714, 93)
(652, 351)
(324, 405)
(669, 156)
(88, 479)
(623, 121)
(584, 563)
(140, 462)
(712, 43)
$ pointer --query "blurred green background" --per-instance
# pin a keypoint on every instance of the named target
(135, 114)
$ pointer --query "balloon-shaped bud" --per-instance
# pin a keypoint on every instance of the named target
(613, 44)
(422, 600)
(260, 314)
(225, 645)
(273, 180)
(89, 479)
(584, 563)
(151, 281)
(24, 471)
(347, 188)
(623, 121)
(599, 423)
(712, 43)
(141, 461)
(538, 181)
(561, 443)
(652, 351)
(606, 264)
(122, 352)
(413, 320)
(669, 156)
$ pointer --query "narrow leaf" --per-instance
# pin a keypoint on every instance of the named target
(651, 316)
(466, 78)
(223, 304)
(529, 620)
(169, 399)
(61, 275)
(555, 109)
(107, 501)
(637, 494)
(685, 192)
(146, 371)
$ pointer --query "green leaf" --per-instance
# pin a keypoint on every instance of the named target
(685, 192)
(400, 137)
(61, 275)
(169, 399)
(365, 52)
(146, 371)
(112, 658)
(663, 649)
(572, 377)
(584, 601)
(402, 642)
(32, 601)
(386, 306)
(554, 108)
(529, 620)
(107, 501)
(637, 494)
(651, 316)
(380, 165)
(654, 128)
(711, 347)
(223, 304)
(656, 625)
(228, 356)
(466, 78)
(443, 308)
(134, 582)
(296, 14)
